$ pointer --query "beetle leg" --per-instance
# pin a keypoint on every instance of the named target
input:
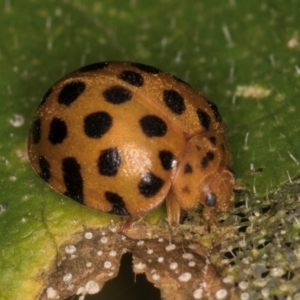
(173, 209)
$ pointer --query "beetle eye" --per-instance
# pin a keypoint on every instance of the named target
(211, 199)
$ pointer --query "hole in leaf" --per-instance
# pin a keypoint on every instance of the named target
(264, 244)
(239, 204)
(288, 275)
(265, 209)
(243, 228)
(265, 274)
(126, 286)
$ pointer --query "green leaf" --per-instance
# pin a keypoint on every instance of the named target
(243, 56)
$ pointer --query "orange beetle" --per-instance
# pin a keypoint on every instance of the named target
(122, 137)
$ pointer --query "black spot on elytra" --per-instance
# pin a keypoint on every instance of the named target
(211, 199)
(215, 110)
(132, 78)
(150, 185)
(212, 140)
(174, 101)
(167, 159)
(36, 131)
(58, 131)
(153, 126)
(118, 204)
(46, 96)
(45, 168)
(185, 190)
(109, 162)
(117, 95)
(145, 68)
(207, 158)
(94, 67)
(73, 179)
(97, 124)
(187, 169)
(70, 92)
(204, 118)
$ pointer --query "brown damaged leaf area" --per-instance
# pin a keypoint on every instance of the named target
(176, 262)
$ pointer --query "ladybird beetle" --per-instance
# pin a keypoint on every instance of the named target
(122, 137)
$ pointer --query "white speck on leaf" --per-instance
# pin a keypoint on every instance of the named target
(140, 266)
(187, 256)
(293, 42)
(70, 249)
(17, 120)
(52, 293)
(88, 235)
(92, 287)
(160, 259)
(252, 91)
(198, 294)
(243, 285)
(173, 265)
(140, 243)
(107, 264)
(221, 294)
(67, 277)
(170, 247)
(104, 240)
(185, 277)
